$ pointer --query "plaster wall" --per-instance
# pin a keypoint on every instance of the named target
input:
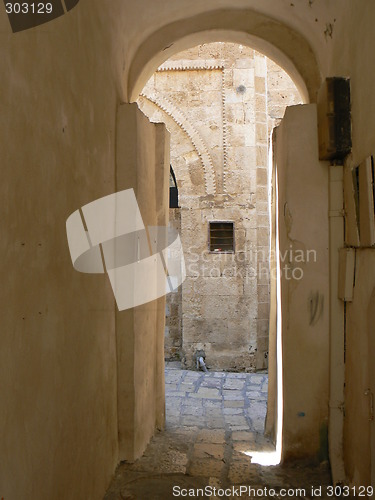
(60, 86)
(351, 58)
(59, 426)
(58, 417)
(142, 161)
(304, 262)
(357, 445)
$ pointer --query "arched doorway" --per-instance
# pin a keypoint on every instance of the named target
(164, 106)
(292, 51)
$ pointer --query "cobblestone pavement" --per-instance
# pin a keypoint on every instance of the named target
(216, 400)
(214, 421)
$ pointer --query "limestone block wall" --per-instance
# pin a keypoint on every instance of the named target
(219, 296)
(214, 100)
(173, 308)
(261, 203)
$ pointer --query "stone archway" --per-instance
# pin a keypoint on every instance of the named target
(286, 46)
(221, 99)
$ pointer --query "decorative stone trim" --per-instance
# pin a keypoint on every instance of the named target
(208, 67)
(179, 117)
(192, 67)
(225, 131)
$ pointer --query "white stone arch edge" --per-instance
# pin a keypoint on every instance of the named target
(285, 47)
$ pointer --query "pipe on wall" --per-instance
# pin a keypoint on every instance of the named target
(337, 326)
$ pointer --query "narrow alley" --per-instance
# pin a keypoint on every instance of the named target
(214, 425)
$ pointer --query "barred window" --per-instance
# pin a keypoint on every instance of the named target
(221, 236)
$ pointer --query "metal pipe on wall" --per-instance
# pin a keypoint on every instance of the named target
(337, 326)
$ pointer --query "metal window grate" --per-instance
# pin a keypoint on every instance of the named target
(221, 236)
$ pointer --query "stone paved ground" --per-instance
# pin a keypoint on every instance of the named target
(213, 421)
(216, 400)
